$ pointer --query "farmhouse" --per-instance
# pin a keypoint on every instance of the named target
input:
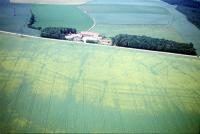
(88, 37)
(73, 37)
(90, 34)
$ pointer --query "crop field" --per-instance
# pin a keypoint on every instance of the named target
(54, 86)
(186, 29)
(127, 2)
(61, 16)
(155, 31)
(149, 18)
(15, 17)
(127, 14)
(116, 8)
(152, 18)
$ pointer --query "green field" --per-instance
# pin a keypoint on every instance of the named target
(54, 86)
(127, 14)
(61, 16)
(150, 19)
(112, 8)
(156, 31)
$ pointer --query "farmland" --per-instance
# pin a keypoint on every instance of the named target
(15, 17)
(62, 16)
(156, 31)
(142, 17)
(127, 14)
(149, 18)
(58, 86)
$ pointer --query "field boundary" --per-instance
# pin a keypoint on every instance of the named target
(98, 45)
(94, 22)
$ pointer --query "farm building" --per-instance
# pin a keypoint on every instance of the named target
(88, 37)
(90, 40)
(90, 34)
(73, 37)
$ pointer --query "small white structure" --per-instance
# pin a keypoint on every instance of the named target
(90, 39)
(73, 37)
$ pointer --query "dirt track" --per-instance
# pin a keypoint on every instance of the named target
(77, 2)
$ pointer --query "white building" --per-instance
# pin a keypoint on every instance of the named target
(90, 39)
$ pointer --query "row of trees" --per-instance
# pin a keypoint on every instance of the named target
(32, 21)
(57, 32)
(193, 14)
(187, 3)
(148, 43)
(190, 8)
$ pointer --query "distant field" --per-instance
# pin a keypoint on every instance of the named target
(127, 14)
(54, 86)
(156, 31)
(127, 2)
(77, 2)
(15, 17)
(114, 8)
(61, 16)
(152, 18)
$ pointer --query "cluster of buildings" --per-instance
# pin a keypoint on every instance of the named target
(89, 37)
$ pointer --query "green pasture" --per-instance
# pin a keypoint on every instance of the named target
(156, 31)
(61, 16)
(55, 86)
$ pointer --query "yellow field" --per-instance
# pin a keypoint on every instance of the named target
(53, 86)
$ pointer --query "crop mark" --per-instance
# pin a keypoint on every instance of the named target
(186, 74)
(49, 106)
(105, 83)
(31, 110)
(14, 102)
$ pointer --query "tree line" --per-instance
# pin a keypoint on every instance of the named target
(193, 14)
(32, 20)
(187, 3)
(190, 8)
(148, 43)
(57, 32)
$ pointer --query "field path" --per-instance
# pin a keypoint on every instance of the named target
(94, 24)
(94, 21)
